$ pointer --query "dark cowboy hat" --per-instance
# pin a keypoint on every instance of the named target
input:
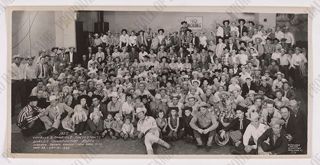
(220, 38)
(183, 22)
(226, 21)
(240, 42)
(83, 97)
(141, 31)
(97, 96)
(222, 141)
(187, 108)
(161, 30)
(239, 20)
(33, 98)
(242, 48)
(124, 30)
(251, 22)
(164, 58)
(241, 108)
(173, 108)
(276, 39)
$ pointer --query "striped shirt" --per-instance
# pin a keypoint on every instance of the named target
(27, 115)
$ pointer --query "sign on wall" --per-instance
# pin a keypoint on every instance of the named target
(194, 22)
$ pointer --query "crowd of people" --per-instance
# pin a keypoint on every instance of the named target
(236, 85)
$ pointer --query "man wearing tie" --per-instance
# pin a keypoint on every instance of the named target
(141, 40)
(241, 27)
(237, 126)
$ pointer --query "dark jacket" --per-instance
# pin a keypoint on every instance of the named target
(245, 88)
(296, 127)
(235, 125)
(280, 146)
(244, 29)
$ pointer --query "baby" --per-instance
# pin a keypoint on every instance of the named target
(96, 115)
(127, 129)
(162, 123)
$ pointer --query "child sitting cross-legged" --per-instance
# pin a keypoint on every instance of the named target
(162, 123)
(173, 122)
(127, 129)
(116, 126)
(107, 123)
(186, 129)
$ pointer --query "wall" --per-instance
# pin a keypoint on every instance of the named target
(32, 31)
(267, 20)
(167, 20)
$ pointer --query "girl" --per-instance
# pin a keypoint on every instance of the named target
(162, 123)
(173, 122)
(127, 129)
(124, 38)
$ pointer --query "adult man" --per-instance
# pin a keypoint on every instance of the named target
(148, 128)
(298, 122)
(273, 140)
(237, 126)
(204, 124)
(247, 86)
(17, 75)
(250, 137)
(30, 75)
(55, 116)
(241, 27)
(29, 118)
(97, 106)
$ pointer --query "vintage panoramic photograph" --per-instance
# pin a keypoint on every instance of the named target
(165, 83)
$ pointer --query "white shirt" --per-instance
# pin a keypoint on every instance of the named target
(290, 38)
(127, 108)
(71, 57)
(141, 56)
(279, 35)
(284, 59)
(275, 55)
(253, 132)
(124, 39)
(29, 72)
(203, 40)
(101, 55)
(145, 124)
(243, 58)
(297, 59)
(17, 72)
(220, 32)
(133, 40)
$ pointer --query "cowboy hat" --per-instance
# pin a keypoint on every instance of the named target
(222, 141)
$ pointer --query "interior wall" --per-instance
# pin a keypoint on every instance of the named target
(167, 20)
(36, 30)
(32, 31)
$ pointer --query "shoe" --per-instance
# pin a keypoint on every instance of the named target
(200, 146)
(208, 148)
(49, 132)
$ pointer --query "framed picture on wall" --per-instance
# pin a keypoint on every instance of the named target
(194, 22)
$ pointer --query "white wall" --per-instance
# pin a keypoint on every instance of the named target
(167, 20)
(270, 20)
(47, 29)
(41, 35)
